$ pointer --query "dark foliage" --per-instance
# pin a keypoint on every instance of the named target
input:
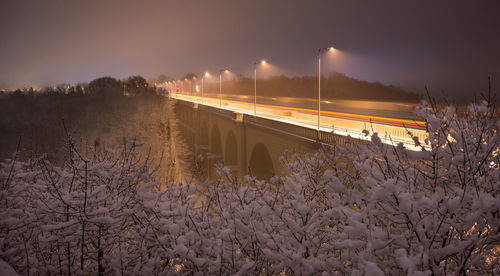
(90, 111)
(335, 86)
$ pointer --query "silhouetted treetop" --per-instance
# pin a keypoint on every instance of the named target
(105, 85)
(135, 85)
(161, 79)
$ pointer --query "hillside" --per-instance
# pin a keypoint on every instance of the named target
(335, 86)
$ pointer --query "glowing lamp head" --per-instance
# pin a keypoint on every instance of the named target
(207, 74)
(331, 49)
(263, 62)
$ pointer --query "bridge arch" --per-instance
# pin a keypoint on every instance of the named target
(261, 164)
(231, 150)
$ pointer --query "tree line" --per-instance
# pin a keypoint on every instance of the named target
(103, 86)
(104, 111)
(334, 86)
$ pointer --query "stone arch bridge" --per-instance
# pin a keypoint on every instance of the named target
(244, 143)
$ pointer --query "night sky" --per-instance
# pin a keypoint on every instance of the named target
(447, 45)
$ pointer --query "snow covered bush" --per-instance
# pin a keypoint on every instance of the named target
(435, 211)
(76, 218)
(357, 209)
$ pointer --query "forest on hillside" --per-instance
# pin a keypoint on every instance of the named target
(334, 86)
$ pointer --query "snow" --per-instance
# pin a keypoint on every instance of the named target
(371, 269)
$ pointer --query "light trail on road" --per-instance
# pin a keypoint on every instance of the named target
(356, 117)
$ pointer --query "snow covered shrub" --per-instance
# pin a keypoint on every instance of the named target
(80, 218)
(436, 211)
(355, 209)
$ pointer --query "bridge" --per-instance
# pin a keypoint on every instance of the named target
(250, 139)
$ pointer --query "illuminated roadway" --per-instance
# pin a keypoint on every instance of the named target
(391, 120)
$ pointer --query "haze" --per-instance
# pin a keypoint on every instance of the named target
(447, 45)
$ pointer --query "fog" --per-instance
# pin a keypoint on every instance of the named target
(448, 45)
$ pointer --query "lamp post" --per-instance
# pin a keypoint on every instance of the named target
(193, 78)
(188, 86)
(220, 89)
(263, 62)
(319, 81)
(220, 86)
(202, 78)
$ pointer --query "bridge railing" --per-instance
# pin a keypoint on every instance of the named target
(295, 130)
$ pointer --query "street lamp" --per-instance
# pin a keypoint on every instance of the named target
(319, 80)
(202, 78)
(189, 81)
(193, 78)
(220, 86)
(263, 62)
